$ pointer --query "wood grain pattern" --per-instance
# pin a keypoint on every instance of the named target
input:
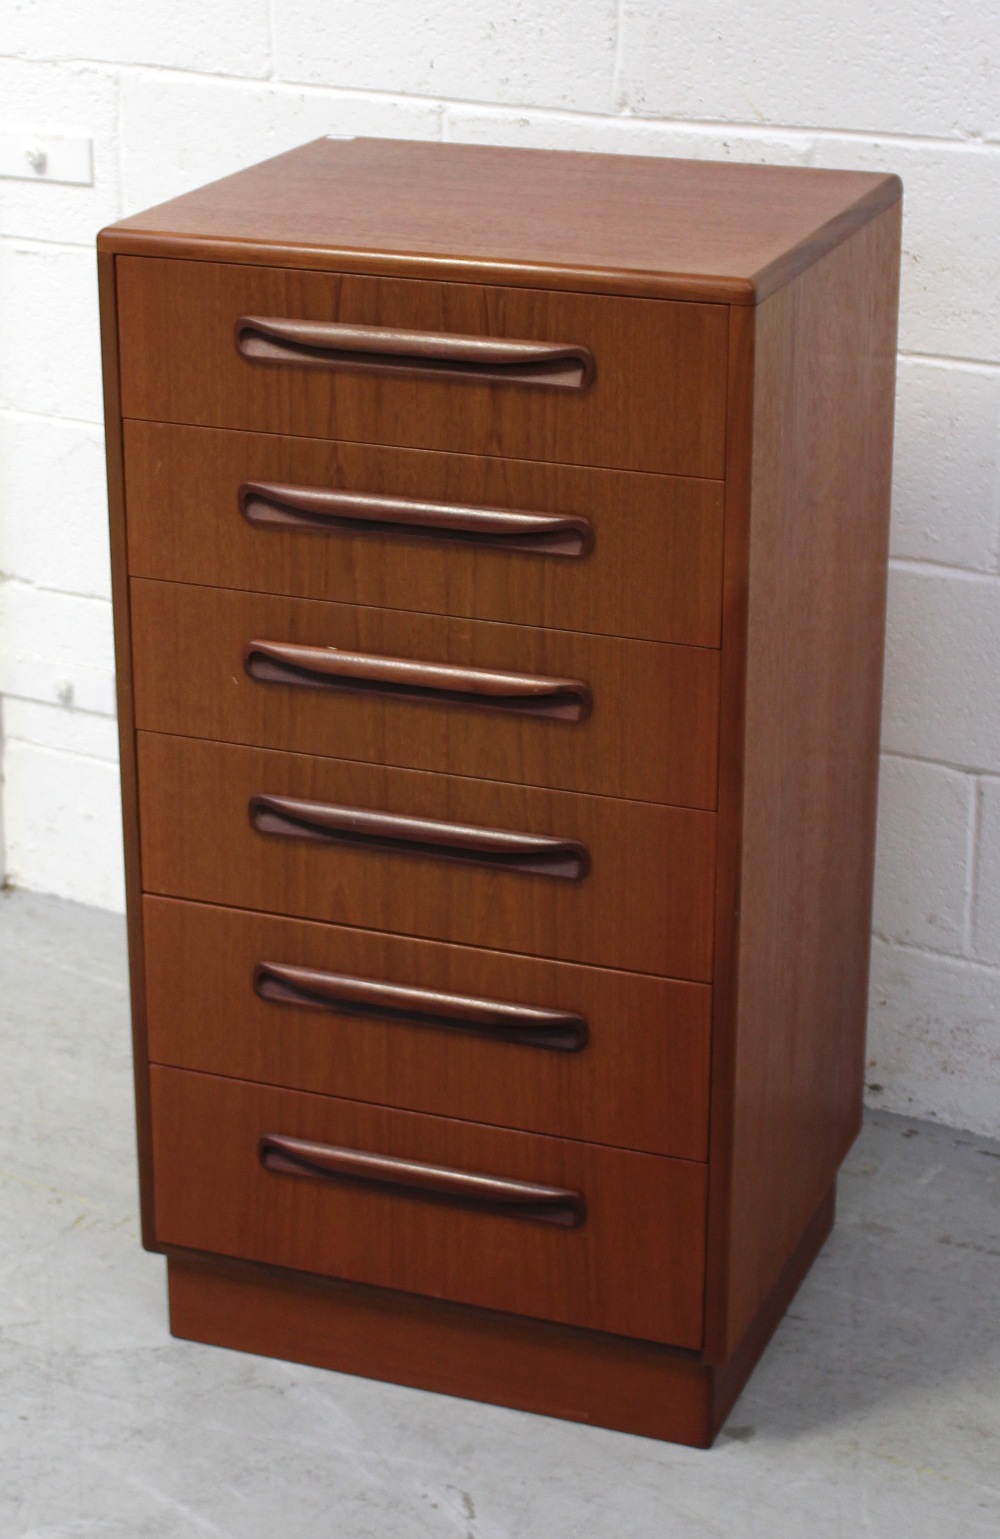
(657, 402)
(728, 891)
(184, 525)
(582, 1376)
(605, 223)
(646, 905)
(641, 1081)
(644, 1213)
(651, 731)
(454, 1349)
(824, 361)
(126, 733)
(732, 458)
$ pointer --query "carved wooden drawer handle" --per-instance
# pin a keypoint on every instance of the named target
(316, 510)
(321, 823)
(558, 1030)
(401, 678)
(387, 350)
(410, 1178)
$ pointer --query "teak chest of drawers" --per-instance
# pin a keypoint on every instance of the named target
(499, 545)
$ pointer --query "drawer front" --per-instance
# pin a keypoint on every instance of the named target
(615, 552)
(580, 1052)
(548, 873)
(634, 383)
(589, 1236)
(501, 702)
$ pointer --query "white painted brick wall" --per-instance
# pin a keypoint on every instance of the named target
(176, 95)
(516, 51)
(875, 68)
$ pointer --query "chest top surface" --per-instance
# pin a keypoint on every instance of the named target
(665, 228)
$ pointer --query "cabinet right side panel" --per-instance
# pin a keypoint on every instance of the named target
(789, 1054)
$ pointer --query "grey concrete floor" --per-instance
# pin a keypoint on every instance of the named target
(876, 1410)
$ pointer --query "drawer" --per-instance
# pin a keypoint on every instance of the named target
(588, 1236)
(581, 1052)
(576, 378)
(616, 552)
(466, 697)
(550, 873)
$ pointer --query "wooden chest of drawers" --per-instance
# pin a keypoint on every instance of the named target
(499, 547)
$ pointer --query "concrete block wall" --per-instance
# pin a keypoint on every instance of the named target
(174, 95)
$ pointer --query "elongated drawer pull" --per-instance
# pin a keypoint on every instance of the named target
(535, 854)
(270, 505)
(386, 350)
(561, 1031)
(467, 1189)
(286, 662)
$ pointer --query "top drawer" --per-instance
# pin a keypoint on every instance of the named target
(575, 378)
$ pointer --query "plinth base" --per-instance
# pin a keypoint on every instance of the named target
(609, 1381)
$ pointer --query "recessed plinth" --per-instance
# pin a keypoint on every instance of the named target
(609, 1381)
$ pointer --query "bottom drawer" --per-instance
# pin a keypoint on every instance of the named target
(582, 1052)
(573, 1232)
